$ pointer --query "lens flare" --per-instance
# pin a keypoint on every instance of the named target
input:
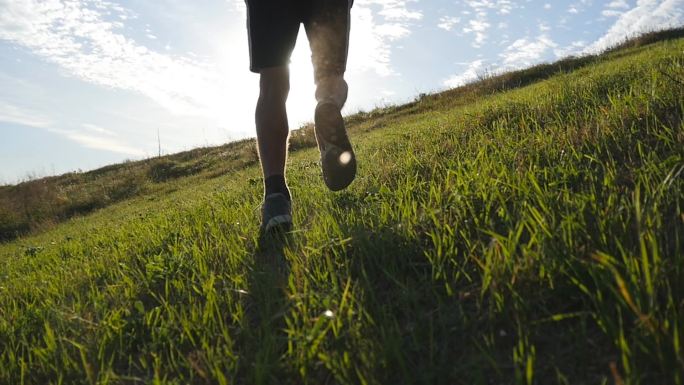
(345, 158)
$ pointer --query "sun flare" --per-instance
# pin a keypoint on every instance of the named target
(301, 101)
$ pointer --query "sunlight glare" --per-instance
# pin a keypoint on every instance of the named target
(301, 101)
(345, 158)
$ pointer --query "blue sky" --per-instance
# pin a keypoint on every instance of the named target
(85, 83)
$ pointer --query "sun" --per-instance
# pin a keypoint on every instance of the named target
(301, 102)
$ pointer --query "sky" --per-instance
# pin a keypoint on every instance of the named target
(86, 83)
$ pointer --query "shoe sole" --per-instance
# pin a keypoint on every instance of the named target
(337, 156)
(279, 223)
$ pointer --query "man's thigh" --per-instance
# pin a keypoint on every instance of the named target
(327, 26)
(272, 26)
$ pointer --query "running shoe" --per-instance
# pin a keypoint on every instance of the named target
(337, 156)
(276, 213)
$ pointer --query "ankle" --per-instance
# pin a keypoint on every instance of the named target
(275, 184)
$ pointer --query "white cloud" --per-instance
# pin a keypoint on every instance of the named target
(473, 70)
(522, 53)
(574, 49)
(92, 136)
(480, 24)
(391, 31)
(376, 26)
(615, 8)
(579, 6)
(10, 113)
(399, 12)
(525, 52)
(104, 142)
(98, 129)
(547, 6)
(370, 48)
(619, 4)
(611, 13)
(479, 27)
(502, 7)
(391, 11)
(448, 22)
(647, 15)
(86, 38)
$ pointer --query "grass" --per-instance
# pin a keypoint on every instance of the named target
(36, 205)
(495, 235)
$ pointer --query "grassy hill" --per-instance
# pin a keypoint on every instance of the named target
(525, 229)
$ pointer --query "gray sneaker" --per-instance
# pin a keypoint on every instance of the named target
(337, 156)
(276, 213)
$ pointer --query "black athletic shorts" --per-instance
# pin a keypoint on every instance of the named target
(273, 26)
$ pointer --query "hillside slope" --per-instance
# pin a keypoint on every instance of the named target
(494, 236)
(38, 204)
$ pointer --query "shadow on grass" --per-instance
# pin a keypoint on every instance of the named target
(430, 334)
(266, 341)
(421, 331)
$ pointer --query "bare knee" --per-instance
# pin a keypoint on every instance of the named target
(271, 115)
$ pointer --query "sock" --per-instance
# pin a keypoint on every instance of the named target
(276, 184)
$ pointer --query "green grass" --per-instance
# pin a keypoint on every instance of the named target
(493, 236)
(36, 205)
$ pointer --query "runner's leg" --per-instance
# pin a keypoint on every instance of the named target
(271, 120)
(273, 26)
(327, 27)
